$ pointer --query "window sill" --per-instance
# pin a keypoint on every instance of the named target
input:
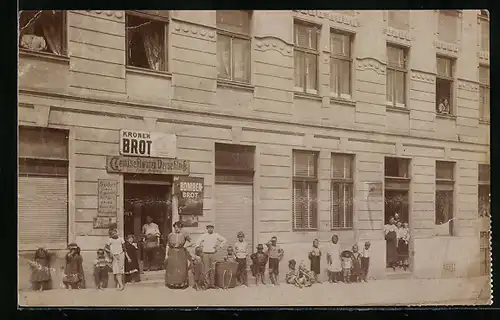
(149, 72)
(346, 102)
(483, 121)
(397, 109)
(342, 229)
(305, 230)
(224, 83)
(446, 116)
(397, 178)
(303, 95)
(44, 55)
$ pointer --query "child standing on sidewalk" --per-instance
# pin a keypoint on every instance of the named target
(241, 252)
(356, 264)
(40, 270)
(346, 265)
(259, 261)
(365, 261)
(315, 257)
(116, 247)
(333, 259)
(275, 254)
(101, 270)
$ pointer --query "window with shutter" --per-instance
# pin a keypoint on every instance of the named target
(42, 188)
(396, 76)
(233, 45)
(341, 191)
(306, 57)
(304, 194)
(399, 19)
(485, 251)
(444, 197)
(444, 85)
(484, 93)
(448, 25)
(341, 61)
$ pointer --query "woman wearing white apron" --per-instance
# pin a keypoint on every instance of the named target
(333, 259)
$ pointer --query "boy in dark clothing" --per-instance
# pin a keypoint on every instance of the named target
(101, 270)
(275, 254)
(197, 269)
(259, 261)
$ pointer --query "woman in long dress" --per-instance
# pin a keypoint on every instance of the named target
(176, 271)
(333, 260)
(391, 244)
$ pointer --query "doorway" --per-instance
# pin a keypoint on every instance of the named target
(397, 202)
(143, 199)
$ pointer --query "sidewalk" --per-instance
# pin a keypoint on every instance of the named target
(379, 292)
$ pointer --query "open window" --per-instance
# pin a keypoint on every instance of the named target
(444, 85)
(147, 39)
(445, 183)
(42, 31)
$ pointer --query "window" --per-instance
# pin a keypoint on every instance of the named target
(147, 39)
(484, 93)
(396, 76)
(444, 85)
(396, 167)
(484, 247)
(306, 57)
(484, 27)
(342, 191)
(305, 181)
(444, 197)
(43, 30)
(484, 192)
(399, 19)
(448, 25)
(233, 45)
(341, 61)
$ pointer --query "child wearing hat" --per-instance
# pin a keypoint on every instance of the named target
(241, 253)
(275, 254)
(259, 261)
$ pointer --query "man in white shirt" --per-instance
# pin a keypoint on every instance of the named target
(210, 242)
(151, 234)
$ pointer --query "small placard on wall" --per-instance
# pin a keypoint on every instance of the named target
(189, 221)
(107, 195)
(104, 222)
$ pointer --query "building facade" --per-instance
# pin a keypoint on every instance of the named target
(301, 124)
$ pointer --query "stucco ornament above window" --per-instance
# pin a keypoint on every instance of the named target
(109, 13)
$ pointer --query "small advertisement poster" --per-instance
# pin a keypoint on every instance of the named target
(190, 194)
(104, 222)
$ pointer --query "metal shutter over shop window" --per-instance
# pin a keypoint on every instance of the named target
(43, 211)
(234, 212)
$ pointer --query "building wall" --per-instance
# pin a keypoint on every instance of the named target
(94, 95)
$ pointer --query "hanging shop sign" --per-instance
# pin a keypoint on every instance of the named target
(148, 144)
(104, 222)
(120, 164)
(107, 194)
(190, 195)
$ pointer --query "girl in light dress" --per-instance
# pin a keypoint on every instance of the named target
(333, 260)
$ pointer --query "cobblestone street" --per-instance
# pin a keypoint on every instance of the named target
(379, 292)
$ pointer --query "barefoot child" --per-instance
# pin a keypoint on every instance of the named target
(356, 264)
(365, 260)
(197, 269)
(230, 255)
(40, 270)
(101, 269)
(73, 277)
(275, 254)
(315, 257)
(292, 276)
(346, 266)
(241, 252)
(259, 261)
(116, 247)
(132, 273)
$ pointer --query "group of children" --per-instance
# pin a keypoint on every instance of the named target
(120, 257)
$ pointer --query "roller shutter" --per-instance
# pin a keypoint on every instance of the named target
(234, 212)
(42, 211)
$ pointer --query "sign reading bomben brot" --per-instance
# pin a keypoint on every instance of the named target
(147, 144)
(107, 194)
(190, 195)
(120, 164)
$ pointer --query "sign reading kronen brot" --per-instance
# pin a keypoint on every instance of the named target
(147, 144)
(120, 164)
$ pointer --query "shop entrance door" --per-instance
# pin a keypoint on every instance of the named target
(143, 199)
(397, 202)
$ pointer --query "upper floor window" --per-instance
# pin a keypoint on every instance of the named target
(43, 30)
(448, 25)
(484, 93)
(484, 192)
(233, 45)
(305, 190)
(396, 76)
(396, 168)
(399, 19)
(147, 39)
(484, 27)
(341, 62)
(444, 85)
(306, 57)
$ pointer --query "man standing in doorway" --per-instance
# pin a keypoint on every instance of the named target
(151, 234)
(210, 242)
